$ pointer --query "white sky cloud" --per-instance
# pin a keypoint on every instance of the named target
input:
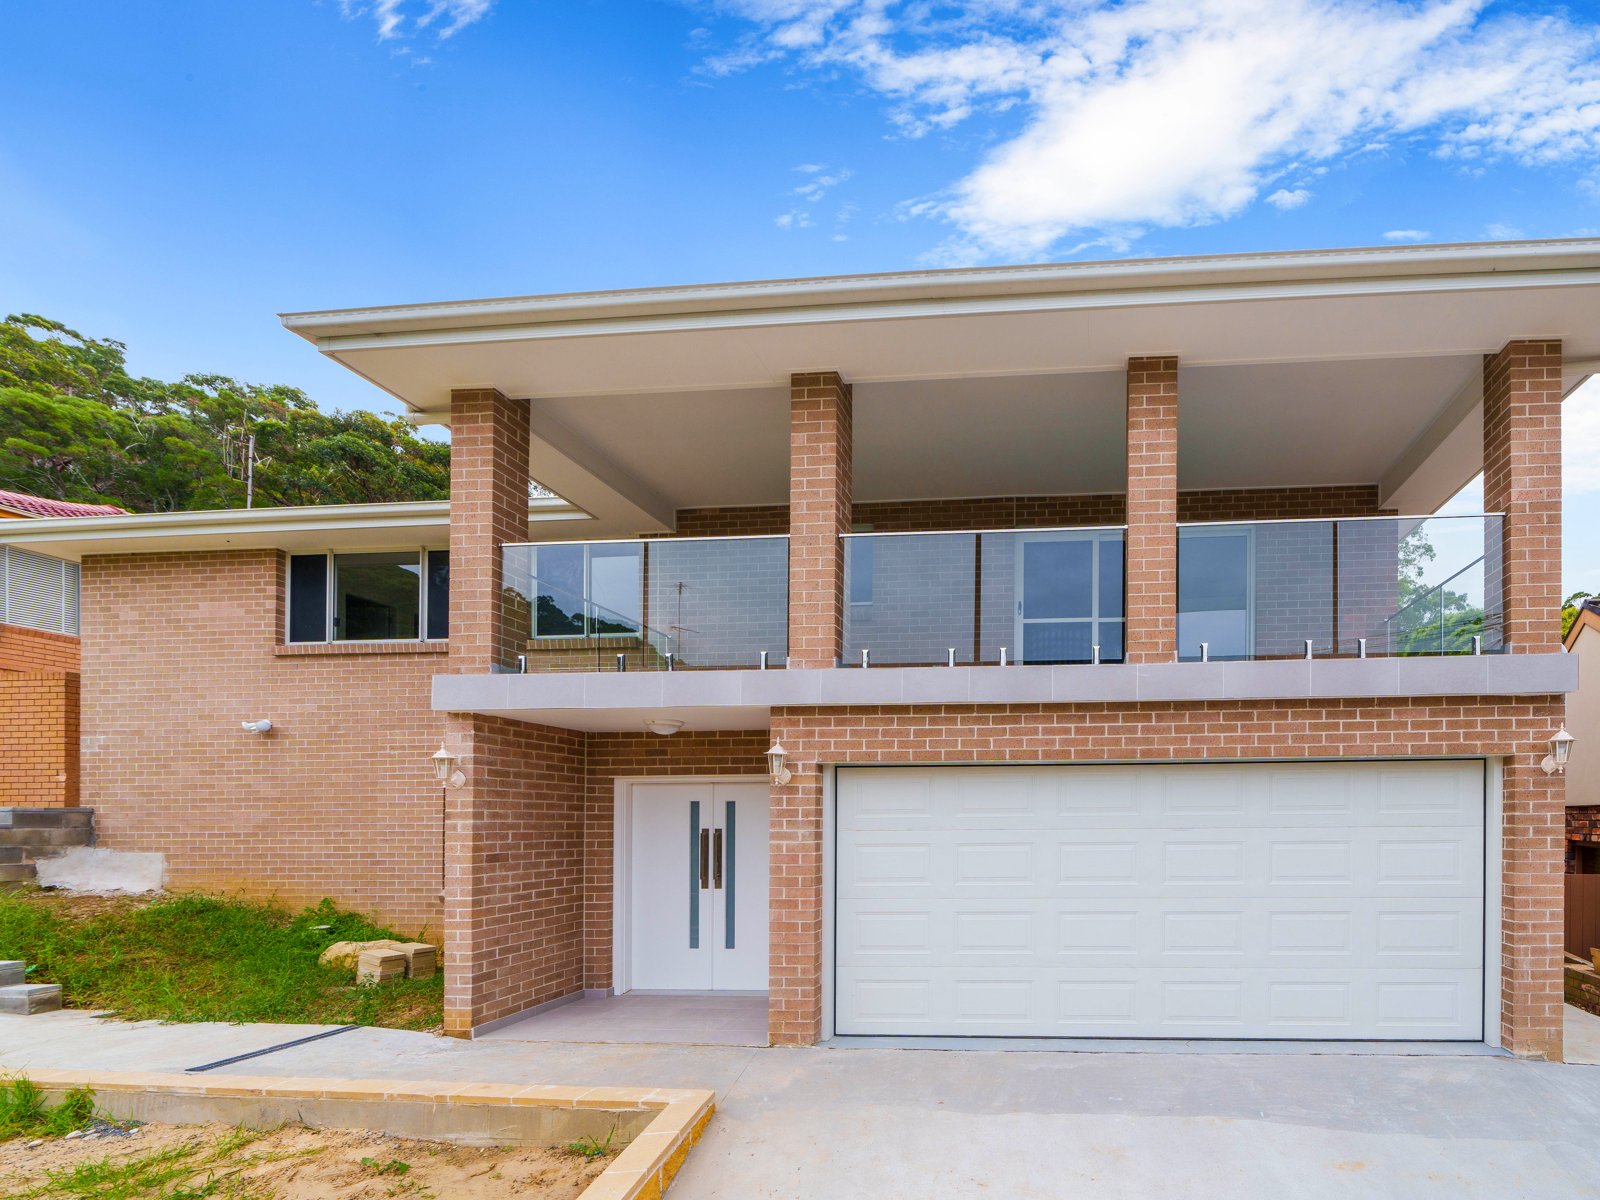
(1178, 112)
(398, 18)
(1286, 199)
(1406, 235)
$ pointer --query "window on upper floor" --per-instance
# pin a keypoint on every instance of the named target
(38, 591)
(383, 596)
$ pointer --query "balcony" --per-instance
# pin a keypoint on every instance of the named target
(1360, 587)
(1026, 597)
(1365, 587)
(650, 604)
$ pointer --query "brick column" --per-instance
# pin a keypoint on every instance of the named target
(1532, 865)
(1522, 478)
(794, 983)
(488, 508)
(819, 511)
(1152, 562)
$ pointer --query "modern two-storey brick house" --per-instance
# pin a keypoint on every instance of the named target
(1127, 680)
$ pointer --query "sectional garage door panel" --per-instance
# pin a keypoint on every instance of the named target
(1295, 901)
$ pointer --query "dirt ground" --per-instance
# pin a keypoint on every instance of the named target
(290, 1163)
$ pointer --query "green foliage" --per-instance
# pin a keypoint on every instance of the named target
(198, 958)
(193, 1170)
(393, 1167)
(1569, 610)
(74, 425)
(1429, 619)
(591, 1147)
(23, 1110)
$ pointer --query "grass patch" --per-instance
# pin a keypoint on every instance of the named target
(200, 958)
(194, 1170)
(23, 1111)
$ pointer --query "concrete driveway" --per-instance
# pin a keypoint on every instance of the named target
(890, 1123)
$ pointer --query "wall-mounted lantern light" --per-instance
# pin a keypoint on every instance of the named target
(775, 764)
(256, 726)
(444, 771)
(663, 726)
(1555, 763)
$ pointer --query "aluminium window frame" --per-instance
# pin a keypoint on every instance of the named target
(330, 603)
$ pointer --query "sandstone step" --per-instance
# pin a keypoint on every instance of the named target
(13, 971)
(18, 872)
(10, 854)
(46, 839)
(25, 999)
(46, 818)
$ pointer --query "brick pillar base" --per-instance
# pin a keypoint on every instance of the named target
(794, 985)
(1532, 864)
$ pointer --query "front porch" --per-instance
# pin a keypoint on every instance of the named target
(637, 1018)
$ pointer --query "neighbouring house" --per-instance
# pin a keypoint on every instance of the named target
(1583, 789)
(39, 660)
(1060, 650)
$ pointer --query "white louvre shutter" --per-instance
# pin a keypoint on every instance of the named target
(40, 591)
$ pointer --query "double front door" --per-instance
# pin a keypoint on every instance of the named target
(697, 882)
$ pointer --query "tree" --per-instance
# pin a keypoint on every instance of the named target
(74, 425)
(1569, 610)
(1430, 618)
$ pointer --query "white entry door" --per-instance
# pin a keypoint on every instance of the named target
(1339, 900)
(697, 903)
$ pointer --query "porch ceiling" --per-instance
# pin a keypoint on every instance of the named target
(1331, 367)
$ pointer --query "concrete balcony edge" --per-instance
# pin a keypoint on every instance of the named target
(603, 701)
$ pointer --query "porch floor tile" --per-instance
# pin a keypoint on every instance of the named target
(634, 1018)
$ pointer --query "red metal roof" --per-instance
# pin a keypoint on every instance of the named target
(38, 506)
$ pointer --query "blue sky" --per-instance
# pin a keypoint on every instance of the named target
(181, 172)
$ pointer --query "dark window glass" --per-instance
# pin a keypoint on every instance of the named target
(1213, 573)
(376, 597)
(1110, 641)
(1056, 578)
(438, 595)
(308, 598)
(558, 591)
(1110, 577)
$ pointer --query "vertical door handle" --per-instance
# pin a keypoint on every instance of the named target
(716, 859)
(705, 858)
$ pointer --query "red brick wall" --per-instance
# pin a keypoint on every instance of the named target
(1533, 811)
(39, 738)
(1522, 478)
(24, 649)
(38, 718)
(1152, 552)
(1583, 829)
(820, 443)
(612, 756)
(338, 800)
(515, 870)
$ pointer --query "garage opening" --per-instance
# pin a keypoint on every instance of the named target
(1315, 900)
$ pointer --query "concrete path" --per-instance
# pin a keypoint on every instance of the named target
(1581, 1039)
(913, 1123)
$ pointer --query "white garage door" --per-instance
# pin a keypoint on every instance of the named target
(1307, 900)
